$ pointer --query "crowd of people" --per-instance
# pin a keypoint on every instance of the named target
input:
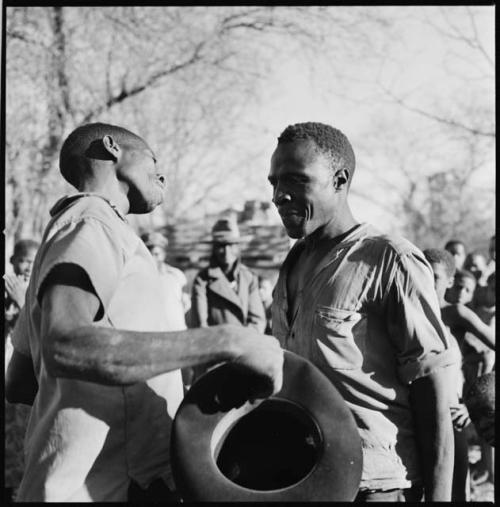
(103, 338)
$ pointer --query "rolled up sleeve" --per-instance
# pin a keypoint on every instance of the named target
(414, 320)
(91, 245)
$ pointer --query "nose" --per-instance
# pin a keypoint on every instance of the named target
(280, 195)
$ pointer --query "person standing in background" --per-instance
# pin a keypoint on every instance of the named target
(173, 282)
(227, 291)
(457, 249)
(16, 415)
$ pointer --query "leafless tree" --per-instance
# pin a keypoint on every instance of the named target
(181, 76)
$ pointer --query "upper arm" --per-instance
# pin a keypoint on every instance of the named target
(79, 271)
(68, 301)
(430, 392)
(414, 320)
(473, 324)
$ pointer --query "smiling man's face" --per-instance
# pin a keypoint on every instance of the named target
(303, 190)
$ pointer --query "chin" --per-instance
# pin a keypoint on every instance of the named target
(294, 233)
(143, 207)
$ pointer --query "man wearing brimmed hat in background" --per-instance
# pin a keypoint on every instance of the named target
(226, 292)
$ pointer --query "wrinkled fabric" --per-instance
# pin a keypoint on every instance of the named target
(368, 317)
(173, 280)
(85, 441)
(214, 301)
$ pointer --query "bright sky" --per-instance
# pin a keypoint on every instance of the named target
(418, 64)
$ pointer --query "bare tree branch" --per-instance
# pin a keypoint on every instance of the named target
(440, 119)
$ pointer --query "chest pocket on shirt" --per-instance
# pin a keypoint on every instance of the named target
(340, 335)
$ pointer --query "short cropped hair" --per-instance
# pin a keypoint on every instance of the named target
(463, 273)
(480, 399)
(80, 144)
(454, 242)
(23, 246)
(329, 140)
(438, 256)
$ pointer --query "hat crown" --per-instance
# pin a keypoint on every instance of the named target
(225, 230)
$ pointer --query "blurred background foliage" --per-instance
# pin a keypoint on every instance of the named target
(190, 80)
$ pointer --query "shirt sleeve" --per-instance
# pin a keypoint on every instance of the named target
(414, 320)
(91, 245)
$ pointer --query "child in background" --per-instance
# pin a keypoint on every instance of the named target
(478, 361)
(480, 402)
(458, 319)
(16, 416)
(475, 263)
(16, 282)
(457, 250)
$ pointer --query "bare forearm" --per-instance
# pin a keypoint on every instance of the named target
(434, 435)
(116, 357)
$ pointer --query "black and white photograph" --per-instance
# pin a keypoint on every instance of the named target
(249, 253)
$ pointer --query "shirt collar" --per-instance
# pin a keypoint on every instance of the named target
(68, 199)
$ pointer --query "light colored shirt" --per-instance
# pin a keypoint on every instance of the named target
(85, 441)
(368, 317)
(172, 281)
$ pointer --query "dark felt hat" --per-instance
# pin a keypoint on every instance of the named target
(300, 445)
(226, 230)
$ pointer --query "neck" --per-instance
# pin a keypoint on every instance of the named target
(336, 226)
(108, 186)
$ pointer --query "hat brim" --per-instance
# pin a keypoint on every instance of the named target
(234, 241)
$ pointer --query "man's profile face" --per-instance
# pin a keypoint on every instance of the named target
(137, 168)
(303, 190)
(226, 254)
(442, 280)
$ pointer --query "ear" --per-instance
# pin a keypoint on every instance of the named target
(111, 146)
(341, 179)
(450, 283)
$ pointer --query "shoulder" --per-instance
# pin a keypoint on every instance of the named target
(84, 206)
(389, 244)
(390, 253)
